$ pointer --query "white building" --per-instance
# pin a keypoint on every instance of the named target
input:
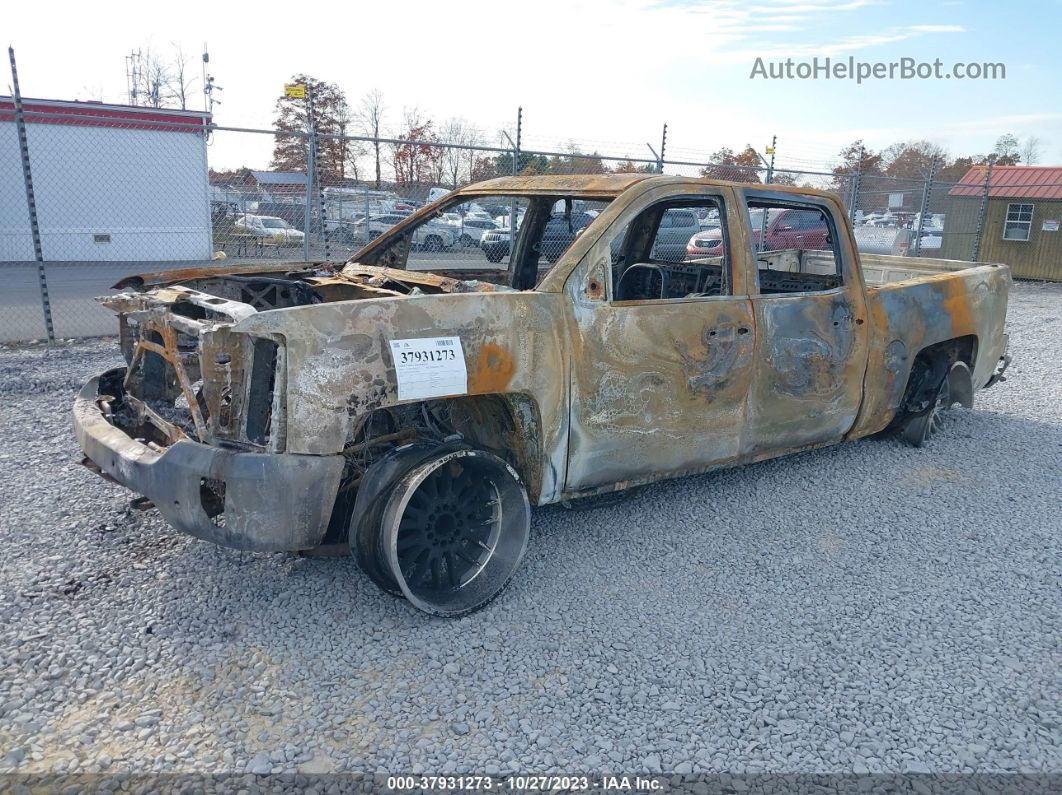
(111, 182)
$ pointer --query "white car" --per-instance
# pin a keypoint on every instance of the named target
(470, 230)
(431, 236)
(270, 226)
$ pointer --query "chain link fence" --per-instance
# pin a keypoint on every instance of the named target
(122, 190)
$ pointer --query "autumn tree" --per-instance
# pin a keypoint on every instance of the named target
(913, 159)
(330, 119)
(628, 166)
(415, 160)
(783, 178)
(527, 164)
(955, 169)
(484, 168)
(576, 162)
(725, 164)
(233, 176)
(855, 159)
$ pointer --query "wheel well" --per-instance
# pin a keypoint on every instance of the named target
(507, 425)
(929, 367)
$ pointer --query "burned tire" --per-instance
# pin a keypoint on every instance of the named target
(956, 388)
(453, 530)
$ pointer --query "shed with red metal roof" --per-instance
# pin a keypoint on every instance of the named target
(1021, 222)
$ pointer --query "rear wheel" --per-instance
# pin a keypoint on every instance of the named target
(956, 388)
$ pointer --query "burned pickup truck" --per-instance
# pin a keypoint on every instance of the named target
(411, 405)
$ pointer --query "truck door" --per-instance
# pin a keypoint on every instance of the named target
(811, 331)
(662, 359)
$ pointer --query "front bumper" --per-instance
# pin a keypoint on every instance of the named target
(272, 501)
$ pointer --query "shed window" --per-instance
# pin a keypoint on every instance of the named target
(1019, 222)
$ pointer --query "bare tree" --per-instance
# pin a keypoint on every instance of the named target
(180, 82)
(155, 79)
(457, 162)
(370, 118)
(1030, 150)
(160, 82)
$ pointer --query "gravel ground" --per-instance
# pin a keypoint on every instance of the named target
(867, 607)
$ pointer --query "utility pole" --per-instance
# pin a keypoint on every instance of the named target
(208, 84)
(31, 203)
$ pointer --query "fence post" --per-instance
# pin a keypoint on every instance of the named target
(926, 191)
(663, 148)
(306, 214)
(31, 203)
(856, 179)
(981, 214)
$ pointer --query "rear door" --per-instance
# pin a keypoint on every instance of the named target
(811, 331)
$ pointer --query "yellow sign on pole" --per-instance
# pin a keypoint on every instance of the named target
(295, 91)
(770, 150)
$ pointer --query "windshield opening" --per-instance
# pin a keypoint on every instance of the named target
(472, 238)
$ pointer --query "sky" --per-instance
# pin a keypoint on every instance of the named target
(604, 75)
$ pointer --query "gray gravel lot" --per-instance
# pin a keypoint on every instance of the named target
(866, 607)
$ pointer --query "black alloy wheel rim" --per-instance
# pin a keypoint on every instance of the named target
(449, 529)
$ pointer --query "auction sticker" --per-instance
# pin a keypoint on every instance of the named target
(429, 367)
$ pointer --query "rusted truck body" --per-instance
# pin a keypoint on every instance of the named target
(415, 415)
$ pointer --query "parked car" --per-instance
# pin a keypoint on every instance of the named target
(433, 236)
(705, 243)
(675, 230)
(786, 229)
(277, 229)
(495, 244)
(558, 234)
(470, 230)
(414, 417)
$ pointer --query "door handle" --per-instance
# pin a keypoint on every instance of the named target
(743, 330)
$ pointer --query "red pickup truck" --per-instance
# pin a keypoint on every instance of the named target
(786, 229)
